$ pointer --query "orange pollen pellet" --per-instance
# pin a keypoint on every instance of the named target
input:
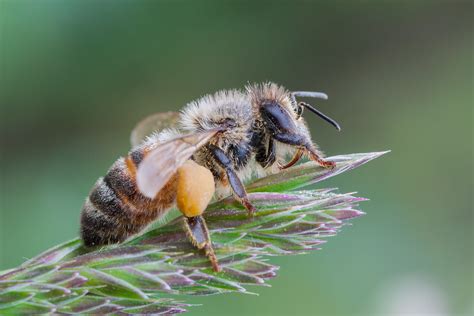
(195, 188)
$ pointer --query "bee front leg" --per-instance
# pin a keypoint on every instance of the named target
(198, 234)
(295, 159)
(302, 142)
(237, 187)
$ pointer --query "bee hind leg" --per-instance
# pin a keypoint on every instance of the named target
(237, 186)
(198, 234)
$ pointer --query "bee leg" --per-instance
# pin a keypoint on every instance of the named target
(269, 156)
(237, 187)
(198, 234)
(301, 141)
(294, 160)
(323, 163)
(265, 155)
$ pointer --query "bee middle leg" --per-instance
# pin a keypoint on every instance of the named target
(303, 144)
(237, 187)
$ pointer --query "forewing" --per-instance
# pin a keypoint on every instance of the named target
(153, 123)
(161, 163)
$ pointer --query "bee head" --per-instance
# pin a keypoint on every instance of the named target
(279, 109)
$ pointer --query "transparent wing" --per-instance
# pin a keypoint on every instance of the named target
(153, 123)
(161, 163)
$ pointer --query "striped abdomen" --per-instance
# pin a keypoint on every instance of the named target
(115, 209)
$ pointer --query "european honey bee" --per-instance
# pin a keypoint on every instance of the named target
(217, 142)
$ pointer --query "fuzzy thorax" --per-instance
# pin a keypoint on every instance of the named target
(212, 111)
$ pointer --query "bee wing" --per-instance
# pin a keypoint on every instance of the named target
(161, 163)
(153, 123)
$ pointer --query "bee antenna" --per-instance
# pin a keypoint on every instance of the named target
(321, 115)
(310, 94)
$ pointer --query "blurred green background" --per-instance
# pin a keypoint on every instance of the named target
(77, 75)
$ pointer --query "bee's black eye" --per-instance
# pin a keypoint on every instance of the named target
(299, 111)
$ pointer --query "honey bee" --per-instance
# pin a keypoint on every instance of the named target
(217, 142)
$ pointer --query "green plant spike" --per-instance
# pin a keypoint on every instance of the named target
(149, 273)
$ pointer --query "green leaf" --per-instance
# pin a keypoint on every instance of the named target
(149, 273)
(310, 173)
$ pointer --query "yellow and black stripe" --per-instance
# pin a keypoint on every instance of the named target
(115, 209)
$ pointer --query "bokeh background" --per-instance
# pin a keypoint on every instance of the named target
(77, 75)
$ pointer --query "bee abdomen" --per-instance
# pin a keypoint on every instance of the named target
(115, 209)
(121, 179)
(105, 199)
(98, 228)
(105, 217)
(137, 156)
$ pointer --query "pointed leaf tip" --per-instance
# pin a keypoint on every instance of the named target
(310, 173)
